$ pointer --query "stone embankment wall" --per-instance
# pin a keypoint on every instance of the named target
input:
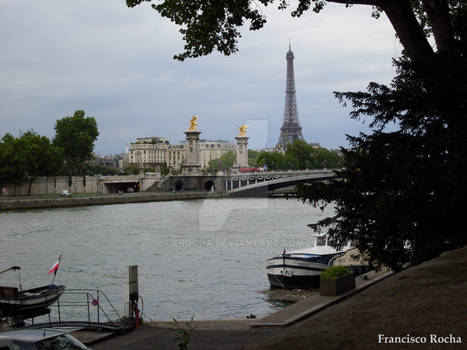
(44, 186)
(54, 185)
(58, 202)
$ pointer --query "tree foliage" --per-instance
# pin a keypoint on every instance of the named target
(76, 136)
(99, 169)
(208, 25)
(271, 160)
(300, 155)
(131, 170)
(253, 156)
(28, 156)
(11, 168)
(224, 163)
(401, 193)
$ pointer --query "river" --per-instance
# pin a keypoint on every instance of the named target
(200, 257)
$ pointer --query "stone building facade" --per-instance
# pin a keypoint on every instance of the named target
(154, 151)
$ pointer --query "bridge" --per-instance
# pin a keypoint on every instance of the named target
(241, 184)
(259, 183)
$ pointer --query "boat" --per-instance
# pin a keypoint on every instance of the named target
(302, 268)
(23, 304)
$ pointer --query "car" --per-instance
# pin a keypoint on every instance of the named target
(39, 339)
(65, 193)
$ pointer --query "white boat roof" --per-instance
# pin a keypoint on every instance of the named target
(318, 250)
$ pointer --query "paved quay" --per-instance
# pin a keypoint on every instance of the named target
(55, 201)
(427, 302)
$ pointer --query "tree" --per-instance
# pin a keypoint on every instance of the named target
(96, 169)
(323, 158)
(28, 156)
(224, 163)
(41, 157)
(300, 155)
(214, 25)
(11, 167)
(401, 193)
(272, 161)
(252, 156)
(76, 136)
(131, 170)
(164, 170)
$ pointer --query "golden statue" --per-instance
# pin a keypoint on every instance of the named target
(193, 123)
(242, 130)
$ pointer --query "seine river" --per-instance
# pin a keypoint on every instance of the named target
(201, 257)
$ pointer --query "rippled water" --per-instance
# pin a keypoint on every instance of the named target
(201, 257)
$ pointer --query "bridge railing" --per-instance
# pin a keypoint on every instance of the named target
(280, 172)
(250, 181)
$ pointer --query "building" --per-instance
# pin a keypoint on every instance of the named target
(213, 150)
(112, 161)
(150, 152)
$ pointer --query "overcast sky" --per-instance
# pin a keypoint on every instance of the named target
(115, 63)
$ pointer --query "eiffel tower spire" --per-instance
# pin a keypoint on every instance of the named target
(291, 129)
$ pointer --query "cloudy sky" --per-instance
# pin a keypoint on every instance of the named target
(58, 56)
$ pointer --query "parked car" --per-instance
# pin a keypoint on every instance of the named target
(39, 339)
(65, 193)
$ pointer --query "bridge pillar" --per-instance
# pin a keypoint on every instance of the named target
(242, 152)
(193, 165)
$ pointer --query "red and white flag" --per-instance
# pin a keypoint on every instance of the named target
(54, 267)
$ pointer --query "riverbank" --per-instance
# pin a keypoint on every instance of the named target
(425, 302)
(54, 201)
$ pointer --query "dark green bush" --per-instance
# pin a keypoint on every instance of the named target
(334, 272)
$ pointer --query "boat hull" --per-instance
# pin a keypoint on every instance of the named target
(293, 282)
(30, 301)
(291, 272)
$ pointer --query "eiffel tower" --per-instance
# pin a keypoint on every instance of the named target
(291, 129)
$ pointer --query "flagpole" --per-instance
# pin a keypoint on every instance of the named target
(55, 272)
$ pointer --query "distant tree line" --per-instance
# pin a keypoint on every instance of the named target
(298, 155)
(31, 155)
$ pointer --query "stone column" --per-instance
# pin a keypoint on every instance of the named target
(242, 152)
(193, 165)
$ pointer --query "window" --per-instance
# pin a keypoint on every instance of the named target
(321, 241)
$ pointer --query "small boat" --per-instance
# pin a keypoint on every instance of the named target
(23, 304)
(302, 268)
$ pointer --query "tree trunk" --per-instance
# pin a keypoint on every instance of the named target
(70, 174)
(30, 185)
(409, 31)
(403, 19)
(440, 21)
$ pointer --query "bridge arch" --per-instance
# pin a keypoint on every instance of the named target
(179, 185)
(209, 186)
